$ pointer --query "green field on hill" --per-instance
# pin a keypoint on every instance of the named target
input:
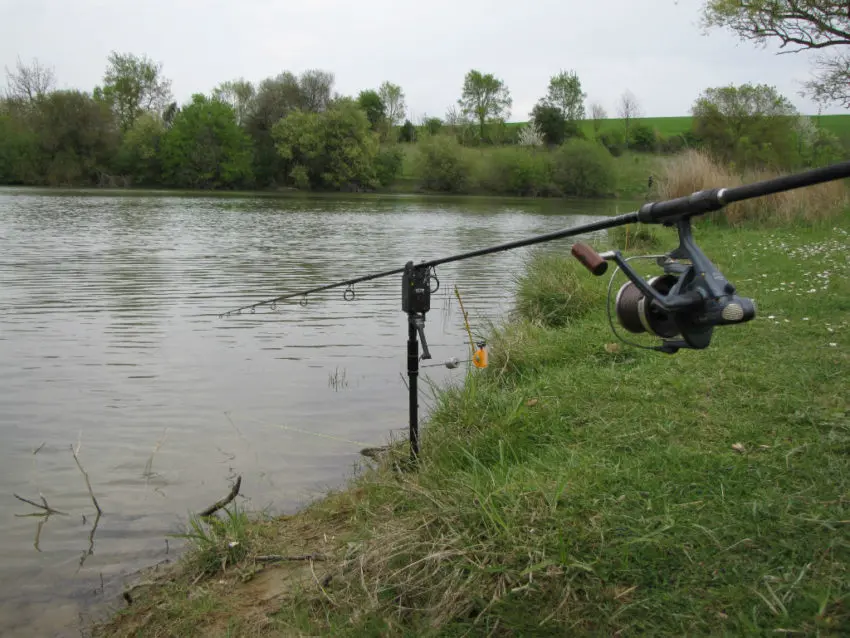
(667, 126)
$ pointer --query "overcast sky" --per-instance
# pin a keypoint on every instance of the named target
(655, 48)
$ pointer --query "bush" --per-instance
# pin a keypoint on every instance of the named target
(644, 139)
(433, 125)
(693, 171)
(407, 133)
(388, 164)
(614, 141)
(300, 177)
(517, 171)
(672, 144)
(584, 169)
(441, 165)
(554, 290)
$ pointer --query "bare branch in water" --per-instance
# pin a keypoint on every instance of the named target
(88, 483)
(38, 449)
(212, 509)
(43, 506)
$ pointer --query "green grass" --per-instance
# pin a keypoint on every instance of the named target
(575, 487)
(667, 126)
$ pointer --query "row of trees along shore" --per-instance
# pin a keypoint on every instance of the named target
(295, 131)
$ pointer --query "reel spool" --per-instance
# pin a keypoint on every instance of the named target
(637, 314)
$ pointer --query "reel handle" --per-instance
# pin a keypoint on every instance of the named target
(589, 258)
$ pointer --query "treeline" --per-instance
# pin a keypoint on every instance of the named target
(296, 131)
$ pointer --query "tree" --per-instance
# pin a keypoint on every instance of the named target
(333, 149)
(433, 125)
(239, 94)
(550, 121)
(372, 106)
(276, 97)
(566, 94)
(205, 148)
(19, 151)
(628, 109)
(393, 98)
(597, 114)
(804, 25)
(134, 85)
(530, 135)
(140, 152)
(316, 89)
(485, 97)
(77, 137)
(748, 124)
(407, 133)
(29, 82)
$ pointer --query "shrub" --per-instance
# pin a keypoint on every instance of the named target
(554, 290)
(644, 139)
(517, 171)
(407, 132)
(433, 125)
(693, 171)
(388, 164)
(672, 144)
(614, 141)
(441, 165)
(584, 169)
(300, 177)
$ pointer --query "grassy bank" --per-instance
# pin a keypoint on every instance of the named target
(576, 487)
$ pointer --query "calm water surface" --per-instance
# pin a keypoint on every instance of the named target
(110, 338)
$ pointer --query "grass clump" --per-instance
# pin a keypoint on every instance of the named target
(694, 170)
(217, 542)
(553, 291)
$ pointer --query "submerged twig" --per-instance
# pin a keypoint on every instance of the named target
(42, 506)
(148, 473)
(88, 483)
(90, 550)
(39, 448)
(212, 509)
(38, 532)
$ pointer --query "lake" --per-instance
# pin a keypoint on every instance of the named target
(111, 340)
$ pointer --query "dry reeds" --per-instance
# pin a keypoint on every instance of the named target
(693, 170)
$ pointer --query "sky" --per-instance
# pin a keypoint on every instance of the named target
(654, 48)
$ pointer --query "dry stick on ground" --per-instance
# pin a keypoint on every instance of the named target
(212, 509)
(88, 483)
(275, 558)
(48, 510)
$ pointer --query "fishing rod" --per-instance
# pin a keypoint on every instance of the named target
(681, 307)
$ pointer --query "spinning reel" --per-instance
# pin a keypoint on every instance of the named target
(682, 306)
